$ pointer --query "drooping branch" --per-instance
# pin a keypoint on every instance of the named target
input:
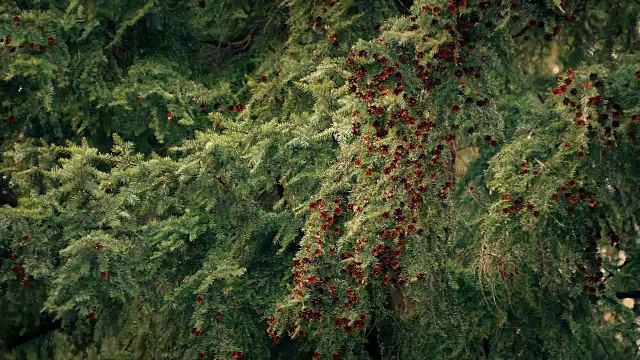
(217, 51)
(634, 294)
(45, 327)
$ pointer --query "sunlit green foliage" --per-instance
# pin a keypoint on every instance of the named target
(321, 179)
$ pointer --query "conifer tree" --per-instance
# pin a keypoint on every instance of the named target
(326, 179)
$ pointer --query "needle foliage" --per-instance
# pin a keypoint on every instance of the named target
(319, 179)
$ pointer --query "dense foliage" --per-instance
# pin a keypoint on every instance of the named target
(319, 179)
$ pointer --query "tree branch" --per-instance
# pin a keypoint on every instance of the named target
(11, 342)
(634, 294)
(612, 274)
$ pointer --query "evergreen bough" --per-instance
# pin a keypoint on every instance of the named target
(327, 179)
